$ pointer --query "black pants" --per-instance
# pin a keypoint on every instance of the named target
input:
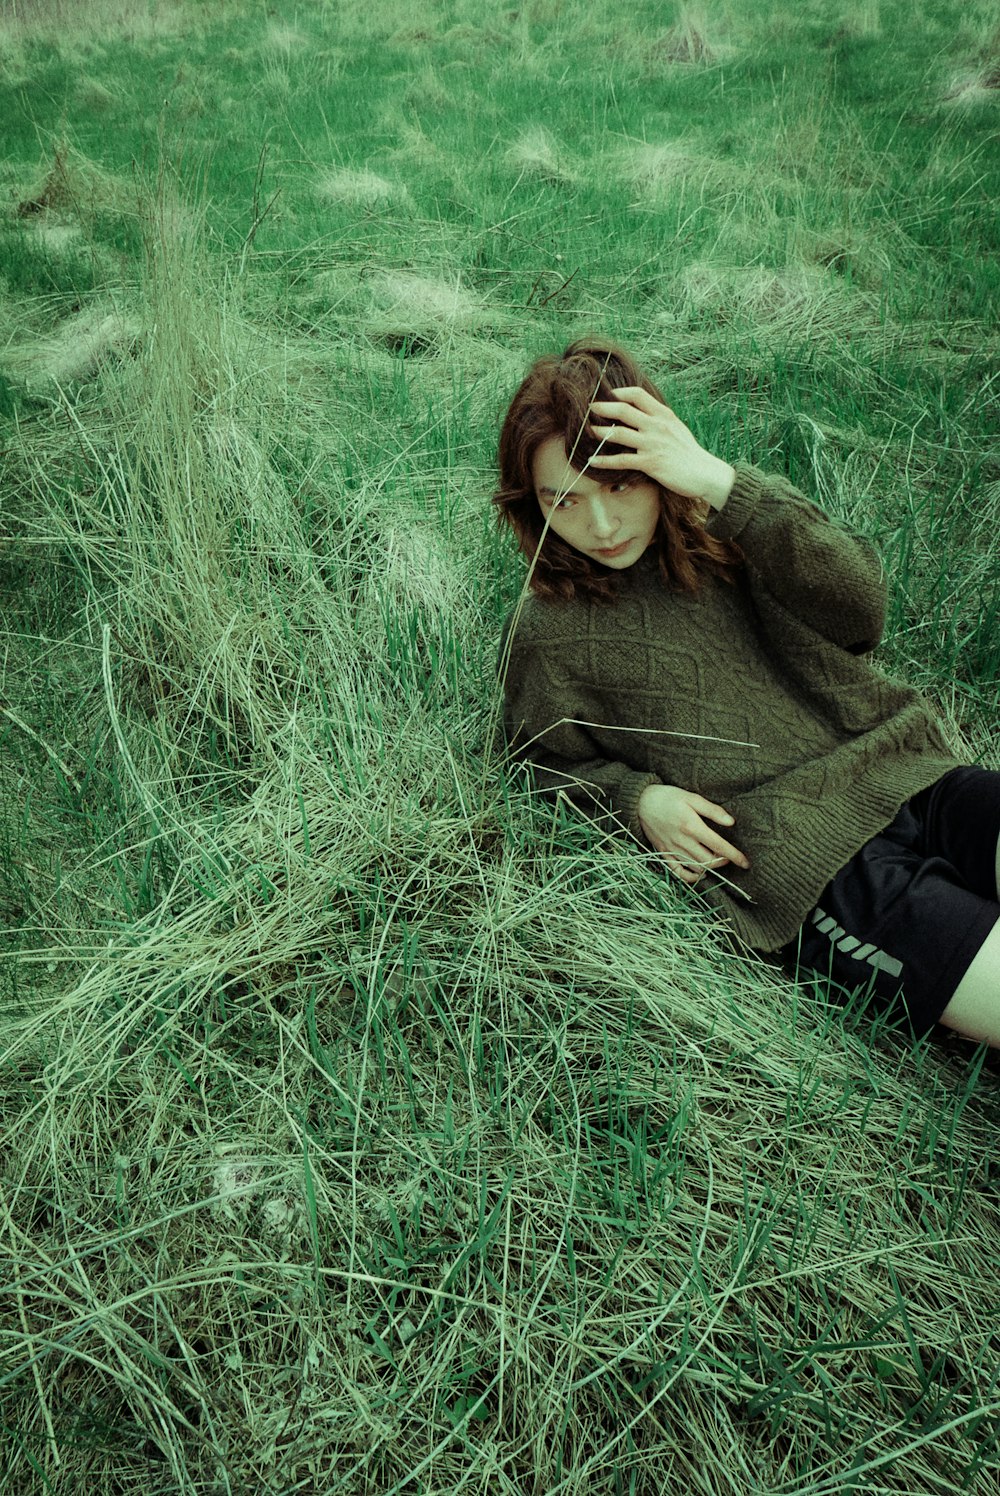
(909, 911)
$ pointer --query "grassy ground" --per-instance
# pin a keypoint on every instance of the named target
(363, 1127)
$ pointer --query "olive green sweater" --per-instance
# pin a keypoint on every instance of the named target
(756, 694)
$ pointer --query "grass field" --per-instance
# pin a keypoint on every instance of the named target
(366, 1125)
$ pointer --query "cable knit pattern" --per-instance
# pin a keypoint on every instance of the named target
(755, 694)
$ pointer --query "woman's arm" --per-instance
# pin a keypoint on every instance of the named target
(674, 821)
(565, 759)
(545, 725)
(826, 577)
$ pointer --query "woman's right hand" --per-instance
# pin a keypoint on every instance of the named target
(674, 821)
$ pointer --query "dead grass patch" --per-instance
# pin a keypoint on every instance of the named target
(973, 89)
(76, 188)
(96, 19)
(58, 238)
(764, 311)
(757, 295)
(654, 170)
(690, 41)
(416, 569)
(979, 82)
(403, 309)
(411, 311)
(361, 188)
(537, 153)
(416, 146)
(77, 350)
(426, 298)
(424, 90)
(94, 97)
(684, 44)
(279, 37)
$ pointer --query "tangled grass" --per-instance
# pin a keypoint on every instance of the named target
(368, 1125)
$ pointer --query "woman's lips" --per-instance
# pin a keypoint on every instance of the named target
(615, 550)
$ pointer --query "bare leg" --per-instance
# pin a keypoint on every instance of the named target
(974, 1009)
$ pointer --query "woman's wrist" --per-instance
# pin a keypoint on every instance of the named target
(719, 483)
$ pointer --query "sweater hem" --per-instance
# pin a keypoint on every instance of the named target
(857, 818)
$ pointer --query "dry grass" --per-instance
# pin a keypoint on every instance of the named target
(360, 188)
(695, 39)
(425, 88)
(980, 88)
(75, 188)
(755, 294)
(537, 153)
(668, 162)
(284, 39)
(277, 1101)
(369, 1126)
(77, 350)
(94, 97)
(788, 311)
(414, 301)
(396, 308)
(664, 174)
(69, 19)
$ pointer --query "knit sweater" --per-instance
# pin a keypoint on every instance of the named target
(756, 694)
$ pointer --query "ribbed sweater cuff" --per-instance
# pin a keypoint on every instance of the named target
(748, 485)
(627, 796)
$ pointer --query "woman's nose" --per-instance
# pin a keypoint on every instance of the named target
(602, 522)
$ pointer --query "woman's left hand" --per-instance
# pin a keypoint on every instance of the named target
(665, 450)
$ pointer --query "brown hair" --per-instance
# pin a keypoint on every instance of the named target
(554, 400)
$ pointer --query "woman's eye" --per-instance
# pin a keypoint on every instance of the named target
(622, 486)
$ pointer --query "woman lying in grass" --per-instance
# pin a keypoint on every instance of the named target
(692, 667)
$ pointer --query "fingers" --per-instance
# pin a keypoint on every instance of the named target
(629, 460)
(710, 851)
(635, 417)
(708, 808)
(718, 844)
(728, 853)
(618, 410)
(693, 872)
(691, 869)
(626, 424)
(625, 436)
(681, 868)
(704, 848)
(636, 395)
(672, 819)
(629, 435)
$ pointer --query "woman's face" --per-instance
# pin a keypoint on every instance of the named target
(612, 518)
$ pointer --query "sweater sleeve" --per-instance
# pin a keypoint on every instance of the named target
(543, 730)
(826, 576)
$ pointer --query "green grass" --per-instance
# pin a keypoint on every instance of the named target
(366, 1125)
